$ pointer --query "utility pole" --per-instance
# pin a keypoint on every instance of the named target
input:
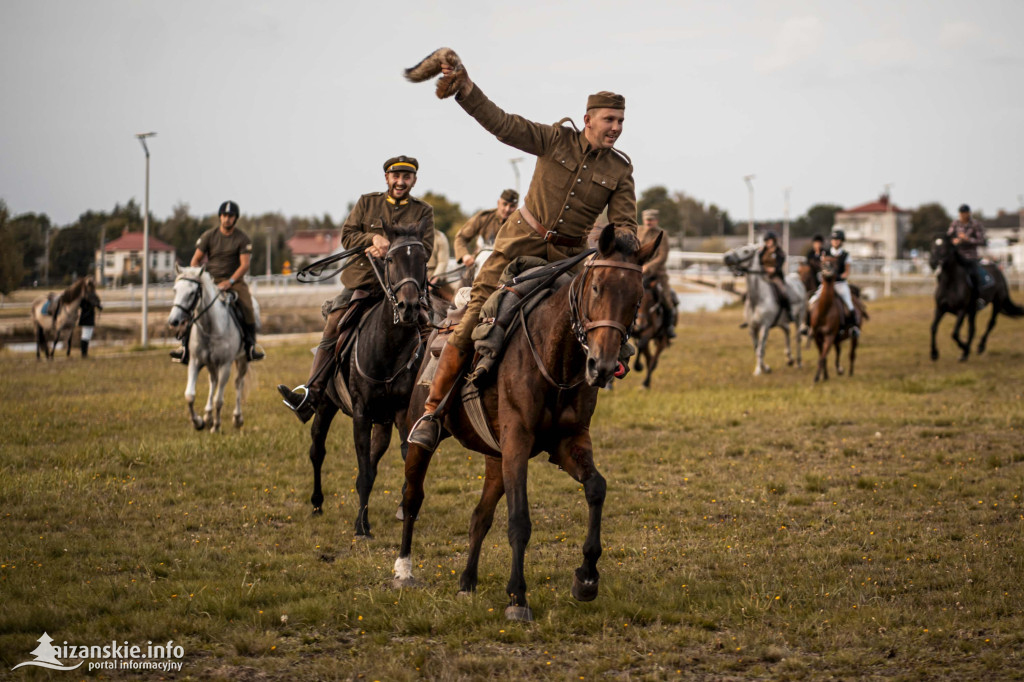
(785, 225)
(515, 169)
(145, 247)
(750, 191)
(270, 230)
(46, 256)
(890, 240)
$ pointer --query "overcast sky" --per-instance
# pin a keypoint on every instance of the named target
(294, 106)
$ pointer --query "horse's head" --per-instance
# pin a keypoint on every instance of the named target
(605, 297)
(188, 291)
(405, 271)
(737, 259)
(942, 250)
(829, 268)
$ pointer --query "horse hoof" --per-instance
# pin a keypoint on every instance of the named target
(465, 594)
(789, 363)
(238, 421)
(840, 371)
(318, 511)
(935, 355)
(400, 514)
(583, 590)
(963, 358)
(520, 613)
(409, 583)
(362, 536)
(198, 423)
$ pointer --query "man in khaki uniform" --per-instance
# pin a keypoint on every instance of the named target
(656, 267)
(227, 251)
(364, 228)
(437, 266)
(578, 174)
(483, 225)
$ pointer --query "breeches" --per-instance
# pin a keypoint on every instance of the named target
(87, 333)
(244, 301)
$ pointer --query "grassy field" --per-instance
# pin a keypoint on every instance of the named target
(870, 527)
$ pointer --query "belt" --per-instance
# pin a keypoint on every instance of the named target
(550, 236)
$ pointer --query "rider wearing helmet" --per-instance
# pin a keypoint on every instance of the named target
(773, 261)
(228, 251)
(364, 228)
(967, 234)
(842, 286)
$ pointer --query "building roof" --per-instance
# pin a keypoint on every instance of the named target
(132, 241)
(314, 242)
(881, 205)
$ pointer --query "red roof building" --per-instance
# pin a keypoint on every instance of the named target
(875, 229)
(310, 245)
(122, 259)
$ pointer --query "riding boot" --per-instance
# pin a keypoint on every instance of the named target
(251, 351)
(84, 345)
(426, 432)
(304, 404)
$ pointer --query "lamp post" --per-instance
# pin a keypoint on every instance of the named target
(750, 191)
(145, 247)
(515, 169)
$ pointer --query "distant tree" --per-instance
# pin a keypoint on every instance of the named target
(819, 219)
(12, 269)
(448, 215)
(928, 221)
(27, 234)
(72, 253)
(182, 231)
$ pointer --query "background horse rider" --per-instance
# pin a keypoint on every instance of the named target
(87, 321)
(437, 266)
(364, 228)
(656, 268)
(773, 263)
(578, 174)
(227, 251)
(851, 313)
(483, 227)
(814, 254)
(967, 234)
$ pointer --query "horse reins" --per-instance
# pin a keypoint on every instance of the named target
(190, 311)
(385, 277)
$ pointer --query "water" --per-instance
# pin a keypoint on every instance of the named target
(710, 301)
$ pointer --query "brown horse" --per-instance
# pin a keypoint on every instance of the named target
(649, 332)
(61, 314)
(827, 327)
(541, 399)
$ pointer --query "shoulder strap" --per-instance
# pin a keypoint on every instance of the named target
(569, 121)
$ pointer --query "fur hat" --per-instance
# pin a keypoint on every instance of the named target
(401, 164)
(650, 213)
(511, 196)
(431, 66)
(606, 100)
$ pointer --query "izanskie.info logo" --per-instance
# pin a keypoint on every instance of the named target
(124, 656)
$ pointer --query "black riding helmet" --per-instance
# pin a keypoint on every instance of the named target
(770, 234)
(228, 208)
(839, 234)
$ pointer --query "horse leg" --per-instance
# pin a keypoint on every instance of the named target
(988, 329)
(190, 394)
(824, 343)
(652, 362)
(964, 350)
(853, 352)
(576, 456)
(939, 312)
(789, 350)
(56, 340)
(362, 435)
(760, 343)
(515, 458)
(839, 357)
(40, 341)
(401, 421)
(71, 335)
(223, 374)
(318, 449)
(417, 461)
(242, 367)
(638, 363)
(480, 523)
(971, 317)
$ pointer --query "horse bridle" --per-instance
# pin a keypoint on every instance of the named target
(384, 277)
(193, 317)
(579, 324)
(742, 269)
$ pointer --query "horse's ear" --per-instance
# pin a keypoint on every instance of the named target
(606, 242)
(177, 269)
(647, 251)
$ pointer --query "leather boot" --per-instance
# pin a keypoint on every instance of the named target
(304, 404)
(84, 345)
(251, 351)
(427, 431)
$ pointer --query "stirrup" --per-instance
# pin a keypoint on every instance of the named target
(427, 417)
(305, 398)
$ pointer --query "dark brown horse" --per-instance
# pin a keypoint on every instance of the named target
(827, 327)
(650, 334)
(61, 314)
(540, 398)
(954, 294)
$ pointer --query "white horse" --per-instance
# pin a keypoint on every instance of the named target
(762, 310)
(215, 341)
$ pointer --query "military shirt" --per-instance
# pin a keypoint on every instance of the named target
(372, 213)
(438, 263)
(224, 251)
(484, 224)
(657, 264)
(572, 182)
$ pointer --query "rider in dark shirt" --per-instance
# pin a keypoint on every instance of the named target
(773, 261)
(967, 234)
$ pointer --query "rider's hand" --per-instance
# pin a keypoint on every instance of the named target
(224, 286)
(467, 85)
(379, 248)
(468, 260)
(956, 240)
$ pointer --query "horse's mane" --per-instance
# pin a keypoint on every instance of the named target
(75, 290)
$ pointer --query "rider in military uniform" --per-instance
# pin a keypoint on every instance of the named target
(364, 228)
(578, 174)
(483, 225)
(655, 268)
(228, 251)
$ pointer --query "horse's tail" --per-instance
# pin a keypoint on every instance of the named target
(1010, 308)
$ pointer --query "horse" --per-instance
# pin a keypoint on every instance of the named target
(215, 341)
(380, 371)
(954, 294)
(540, 398)
(762, 310)
(649, 332)
(826, 322)
(61, 314)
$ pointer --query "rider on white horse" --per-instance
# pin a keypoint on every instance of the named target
(228, 251)
(842, 286)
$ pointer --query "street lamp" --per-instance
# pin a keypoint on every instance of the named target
(750, 224)
(515, 169)
(145, 247)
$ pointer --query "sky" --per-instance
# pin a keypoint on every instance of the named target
(294, 106)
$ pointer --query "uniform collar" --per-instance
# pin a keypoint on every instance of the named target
(392, 201)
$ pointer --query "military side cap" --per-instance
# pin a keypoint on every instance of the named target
(401, 164)
(606, 100)
(511, 196)
(650, 213)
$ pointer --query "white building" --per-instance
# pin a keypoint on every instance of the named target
(122, 258)
(874, 230)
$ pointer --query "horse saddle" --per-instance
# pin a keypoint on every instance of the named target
(51, 306)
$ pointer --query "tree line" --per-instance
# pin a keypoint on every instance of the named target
(25, 262)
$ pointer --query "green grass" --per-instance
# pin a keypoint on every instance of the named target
(754, 528)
